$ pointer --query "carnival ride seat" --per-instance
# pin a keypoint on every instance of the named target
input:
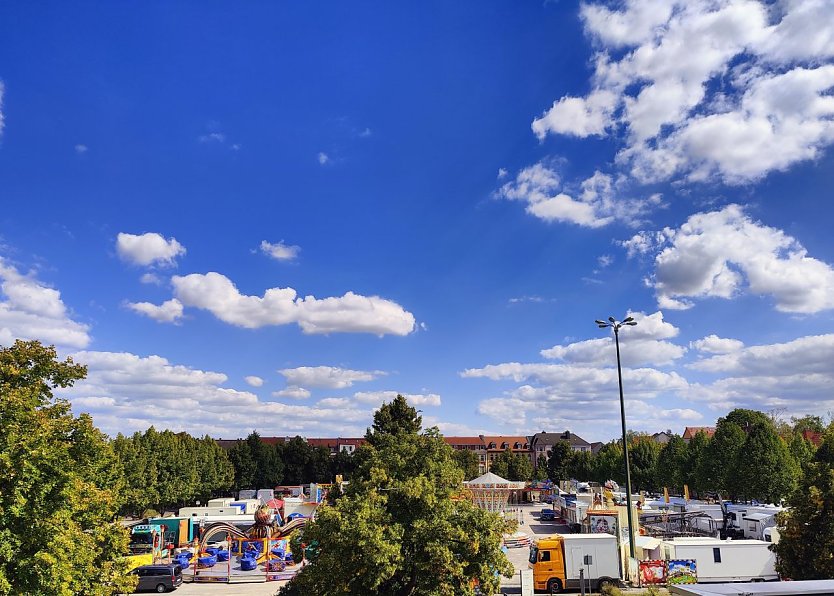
(222, 555)
(248, 563)
(207, 561)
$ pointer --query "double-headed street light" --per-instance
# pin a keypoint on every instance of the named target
(616, 325)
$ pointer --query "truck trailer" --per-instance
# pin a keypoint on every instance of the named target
(557, 561)
(724, 560)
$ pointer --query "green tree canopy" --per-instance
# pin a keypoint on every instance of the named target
(765, 469)
(396, 417)
(59, 484)
(696, 452)
(398, 529)
(557, 461)
(672, 464)
(717, 469)
(467, 461)
(806, 546)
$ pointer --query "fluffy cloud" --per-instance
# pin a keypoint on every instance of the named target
(796, 375)
(293, 392)
(331, 377)
(597, 203)
(32, 310)
(712, 344)
(280, 306)
(646, 345)
(280, 251)
(125, 392)
(732, 89)
(148, 249)
(254, 381)
(169, 311)
(415, 399)
(713, 255)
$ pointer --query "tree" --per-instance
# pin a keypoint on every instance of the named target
(765, 469)
(580, 465)
(342, 464)
(609, 464)
(541, 468)
(717, 469)
(557, 461)
(806, 545)
(297, 454)
(500, 466)
(243, 462)
(60, 482)
(398, 529)
(696, 452)
(810, 422)
(467, 461)
(512, 466)
(672, 463)
(642, 456)
(394, 418)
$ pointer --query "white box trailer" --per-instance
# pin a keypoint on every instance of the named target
(725, 560)
(557, 561)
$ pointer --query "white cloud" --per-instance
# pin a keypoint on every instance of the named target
(366, 132)
(81, 149)
(213, 137)
(713, 255)
(796, 375)
(125, 392)
(32, 310)
(502, 173)
(414, 399)
(323, 158)
(733, 89)
(598, 201)
(148, 249)
(151, 278)
(577, 116)
(292, 392)
(280, 251)
(331, 377)
(2, 119)
(334, 402)
(350, 313)
(254, 381)
(644, 343)
(169, 311)
(712, 344)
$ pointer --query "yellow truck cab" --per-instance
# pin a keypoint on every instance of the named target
(556, 562)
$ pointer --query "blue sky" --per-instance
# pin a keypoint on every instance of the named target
(276, 216)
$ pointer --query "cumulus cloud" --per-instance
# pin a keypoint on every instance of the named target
(148, 249)
(32, 310)
(330, 377)
(323, 158)
(254, 381)
(700, 89)
(125, 392)
(712, 344)
(415, 399)
(169, 311)
(281, 306)
(796, 375)
(280, 251)
(723, 253)
(646, 344)
(595, 203)
(292, 392)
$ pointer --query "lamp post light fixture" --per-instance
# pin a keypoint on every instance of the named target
(616, 325)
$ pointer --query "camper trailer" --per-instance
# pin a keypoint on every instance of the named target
(724, 560)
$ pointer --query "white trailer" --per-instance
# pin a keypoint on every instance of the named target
(725, 560)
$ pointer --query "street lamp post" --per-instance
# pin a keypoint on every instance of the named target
(616, 325)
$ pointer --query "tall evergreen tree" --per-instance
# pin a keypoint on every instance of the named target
(672, 464)
(394, 418)
(558, 460)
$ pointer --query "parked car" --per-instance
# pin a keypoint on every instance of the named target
(158, 578)
(547, 514)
